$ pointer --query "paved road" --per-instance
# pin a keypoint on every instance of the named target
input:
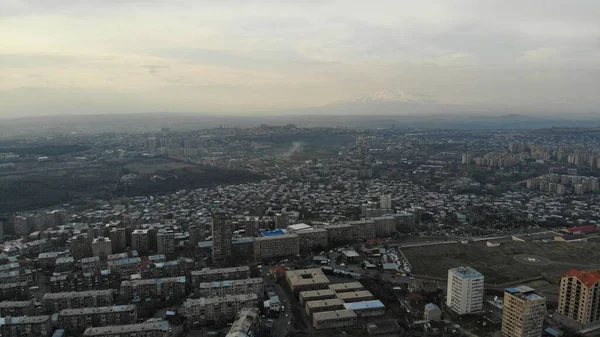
(282, 324)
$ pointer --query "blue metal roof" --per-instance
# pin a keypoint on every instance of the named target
(273, 233)
(374, 304)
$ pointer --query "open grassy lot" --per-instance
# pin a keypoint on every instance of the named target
(497, 264)
(151, 166)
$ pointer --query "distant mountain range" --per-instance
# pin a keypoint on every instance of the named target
(380, 110)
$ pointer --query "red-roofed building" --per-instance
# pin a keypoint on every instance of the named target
(589, 229)
(579, 298)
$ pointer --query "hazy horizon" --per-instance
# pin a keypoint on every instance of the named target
(280, 57)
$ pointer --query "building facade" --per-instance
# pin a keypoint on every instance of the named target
(220, 308)
(231, 287)
(55, 302)
(276, 246)
(579, 297)
(155, 289)
(221, 235)
(219, 274)
(154, 329)
(523, 313)
(465, 290)
(77, 320)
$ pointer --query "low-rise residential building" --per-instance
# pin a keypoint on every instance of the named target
(90, 263)
(26, 326)
(126, 266)
(154, 289)
(55, 302)
(315, 295)
(16, 308)
(77, 320)
(96, 280)
(267, 247)
(220, 308)
(14, 291)
(334, 319)
(366, 308)
(246, 324)
(219, 274)
(231, 287)
(154, 329)
(306, 279)
(312, 307)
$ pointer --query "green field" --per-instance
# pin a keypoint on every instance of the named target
(497, 264)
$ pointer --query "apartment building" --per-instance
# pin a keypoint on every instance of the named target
(579, 299)
(465, 290)
(118, 239)
(312, 238)
(26, 326)
(219, 274)
(220, 308)
(155, 289)
(96, 280)
(101, 247)
(221, 234)
(246, 324)
(362, 229)
(126, 266)
(140, 241)
(175, 268)
(385, 226)
(231, 287)
(77, 320)
(154, 329)
(268, 247)
(340, 233)
(55, 302)
(523, 313)
(16, 308)
(334, 319)
(14, 291)
(90, 263)
(165, 242)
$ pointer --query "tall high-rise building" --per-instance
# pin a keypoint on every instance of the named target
(101, 247)
(165, 242)
(523, 313)
(81, 246)
(118, 240)
(140, 241)
(579, 298)
(385, 202)
(193, 235)
(465, 290)
(221, 235)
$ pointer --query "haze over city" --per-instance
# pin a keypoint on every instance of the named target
(286, 57)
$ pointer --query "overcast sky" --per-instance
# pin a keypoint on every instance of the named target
(118, 56)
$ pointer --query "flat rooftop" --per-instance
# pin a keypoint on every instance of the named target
(99, 310)
(75, 294)
(354, 294)
(220, 299)
(325, 303)
(467, 272)
(525, 292)
(302, 277)
(317, 293)
(332, 315)
(346, 286)
(127, 329)
(364, 305)
(220, 270)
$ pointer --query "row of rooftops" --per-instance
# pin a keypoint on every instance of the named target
(155, 281)
(77, 294)
(203, 301)
(98, 310)
(127, 329)
(230, 283)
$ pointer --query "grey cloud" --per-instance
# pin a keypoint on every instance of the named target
(154, 69)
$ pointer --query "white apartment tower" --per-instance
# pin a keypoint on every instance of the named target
(465, 290)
